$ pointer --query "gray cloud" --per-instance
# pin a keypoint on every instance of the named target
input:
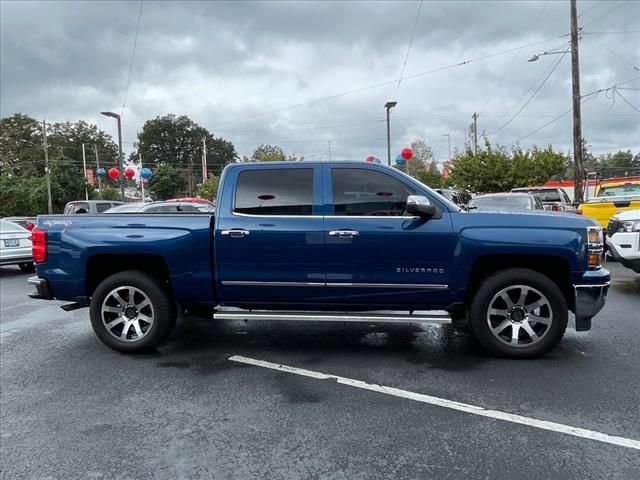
(223, 61)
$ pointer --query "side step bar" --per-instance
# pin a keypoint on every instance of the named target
(380, 316)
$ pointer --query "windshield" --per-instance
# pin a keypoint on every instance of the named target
(620, 190)
(500, 203)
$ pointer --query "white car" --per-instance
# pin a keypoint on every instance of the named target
(623, 238)
(15, 246)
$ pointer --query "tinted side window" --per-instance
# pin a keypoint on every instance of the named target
(187, 208)
(275, 192)
(81, 207)
(364, 192)
(101, 207)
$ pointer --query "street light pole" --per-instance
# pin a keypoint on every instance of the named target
(388, 106)
(46, 166)
(448, 135)
(120, 160)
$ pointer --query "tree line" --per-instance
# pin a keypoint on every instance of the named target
(174, 146)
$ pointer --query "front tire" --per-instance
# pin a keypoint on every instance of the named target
(132, 312)
(518, 313)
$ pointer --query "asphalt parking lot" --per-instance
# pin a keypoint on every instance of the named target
(72, 408)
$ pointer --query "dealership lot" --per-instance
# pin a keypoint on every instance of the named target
(72, 408)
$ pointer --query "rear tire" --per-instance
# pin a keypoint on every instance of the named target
(132, 312)
(27, 267)
(518, 313)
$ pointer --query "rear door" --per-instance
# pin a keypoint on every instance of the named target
(269, 236)
(377, 254)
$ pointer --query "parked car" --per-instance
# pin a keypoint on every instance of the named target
(89, 206)
(623, 238)
(27, 222)
(15, 246)
(505, 201)
(201, 204)
(552, 198)
(291, 242)
(459, 197)
(157, 207)
(612, 196)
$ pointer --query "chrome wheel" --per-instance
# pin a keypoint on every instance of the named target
(127, 313)
(519, 315)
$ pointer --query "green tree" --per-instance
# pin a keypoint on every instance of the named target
(166, 182)
(422, 165)
(21, 147)
(494, 169)
(178, 141)
(268, 153)
(22, 195)
(209, 188)
(67, 184)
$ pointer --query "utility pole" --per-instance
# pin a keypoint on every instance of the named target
(95, 149)
(204, 159)
(141, 179)
(475, 133)
(577, 117)
(84, 168)
(46, 166)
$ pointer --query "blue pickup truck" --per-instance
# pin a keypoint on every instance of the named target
(327, 241)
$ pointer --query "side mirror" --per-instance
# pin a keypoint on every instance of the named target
(419, 205)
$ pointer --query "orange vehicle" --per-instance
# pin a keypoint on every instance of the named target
(611, 196)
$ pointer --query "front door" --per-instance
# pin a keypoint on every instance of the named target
(269, 237)
(377, 254)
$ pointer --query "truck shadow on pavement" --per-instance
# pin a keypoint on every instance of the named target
(204, 344)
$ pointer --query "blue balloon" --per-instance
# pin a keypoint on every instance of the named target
(101, 172)
(400, 161)
(145, 173)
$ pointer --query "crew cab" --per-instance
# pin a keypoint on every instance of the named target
(327, 241)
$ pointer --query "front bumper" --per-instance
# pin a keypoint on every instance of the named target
(589, 301)
(43, 292)
(625, 248)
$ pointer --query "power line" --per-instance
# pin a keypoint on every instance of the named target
(513, 60)
(133, 54)
(533, 94)
(620, 32)
(415, 24)
(627, 101)
(616, 55)
(382, 84)
(604, 14)
(584, 98)
(591, 8)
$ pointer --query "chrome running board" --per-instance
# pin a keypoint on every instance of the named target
(379, 316)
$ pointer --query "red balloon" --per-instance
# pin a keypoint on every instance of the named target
(406, 153)
(129, 173)
(113, 173)
(370, 158)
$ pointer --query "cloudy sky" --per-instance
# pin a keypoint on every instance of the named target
(303, 74)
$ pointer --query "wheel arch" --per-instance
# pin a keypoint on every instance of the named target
(100, 267)
(554, 267)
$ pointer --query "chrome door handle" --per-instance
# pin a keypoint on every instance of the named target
(344, 233)
(235, 233)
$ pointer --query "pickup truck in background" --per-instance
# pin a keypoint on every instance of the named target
(552, 198)
(612, 196)
(623, 238)
(327, 241)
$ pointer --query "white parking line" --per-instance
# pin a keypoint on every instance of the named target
(442, 402)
